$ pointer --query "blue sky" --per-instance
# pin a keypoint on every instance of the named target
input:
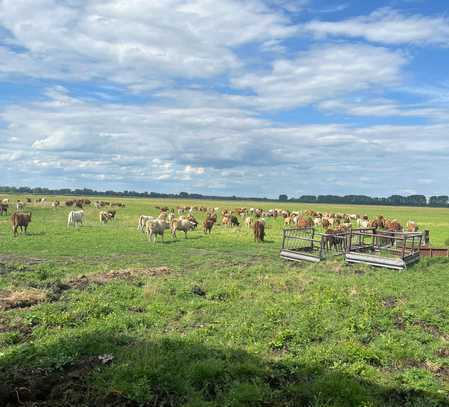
(253, 98)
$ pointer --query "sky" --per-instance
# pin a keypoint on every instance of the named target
(226, 97)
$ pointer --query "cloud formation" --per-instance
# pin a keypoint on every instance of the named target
(219, 96)
(387, 26)
(322, 73)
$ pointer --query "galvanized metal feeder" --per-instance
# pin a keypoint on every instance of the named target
(394, 250)
(308, 245)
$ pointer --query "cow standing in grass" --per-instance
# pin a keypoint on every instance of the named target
(105, 217)
(20, 219)
(183, 225)
(209, 223)
(3, 209)
(75, 218)
(155, 227)
(259, 231)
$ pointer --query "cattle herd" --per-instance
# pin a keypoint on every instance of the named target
(184, 218)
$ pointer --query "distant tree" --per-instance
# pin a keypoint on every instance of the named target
(307, 198)
(283, 198)
(441, 200)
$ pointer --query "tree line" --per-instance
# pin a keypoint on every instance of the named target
(441, 201)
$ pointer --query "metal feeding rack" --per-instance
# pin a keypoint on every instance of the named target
(309, 245)
(394, 250)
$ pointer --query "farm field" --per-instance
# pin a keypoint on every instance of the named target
(100, 316)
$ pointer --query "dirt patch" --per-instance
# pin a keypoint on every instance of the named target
(14, 325)
(126, 274)
(443, 352)
(57, 289)
(12, 263)
(21, 299)
(399, 323)
(428, 327)
(389, 302)
(69, 387)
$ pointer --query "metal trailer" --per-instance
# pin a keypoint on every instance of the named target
(395, 250)
(306, 244)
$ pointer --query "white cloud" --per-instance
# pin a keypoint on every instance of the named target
(323, 73)
(387, 26)
(138, 43)
(214, 149)
(194, 170)
(209, 71)
(371, 107)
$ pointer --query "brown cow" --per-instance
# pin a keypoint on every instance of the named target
(412, 226)
(112, 213)
(208, 225)
(259, 231)
(305, 223)
(3, 209)
(20, 219)
(105, 217)
(331, 239)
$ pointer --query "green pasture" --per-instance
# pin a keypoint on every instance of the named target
(214, 320)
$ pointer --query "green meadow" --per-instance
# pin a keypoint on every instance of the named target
(99, 316)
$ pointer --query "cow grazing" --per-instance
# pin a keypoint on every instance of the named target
(393, 226)
(155, 227)
(3, 209)
(105, 217)
(208, 225)
(75, 218)
(248, 221)
(331, 239)
(183, 225)
(55, 204)
(20, 205)
(226, 221)
(143, 219)
(112, 214)
(412, 226)
(191, 219)
(305, 222)
(259, 231)
(20, 219)
(362, 223)
(234, 221)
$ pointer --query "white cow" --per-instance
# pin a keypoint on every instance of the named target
(143, 220)
(75, 218)
(362, 223)
(20, 206)
(183, 225)
(155, 227)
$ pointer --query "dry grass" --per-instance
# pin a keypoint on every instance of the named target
(21, 299)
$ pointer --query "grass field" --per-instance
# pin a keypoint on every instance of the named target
(100, 316)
